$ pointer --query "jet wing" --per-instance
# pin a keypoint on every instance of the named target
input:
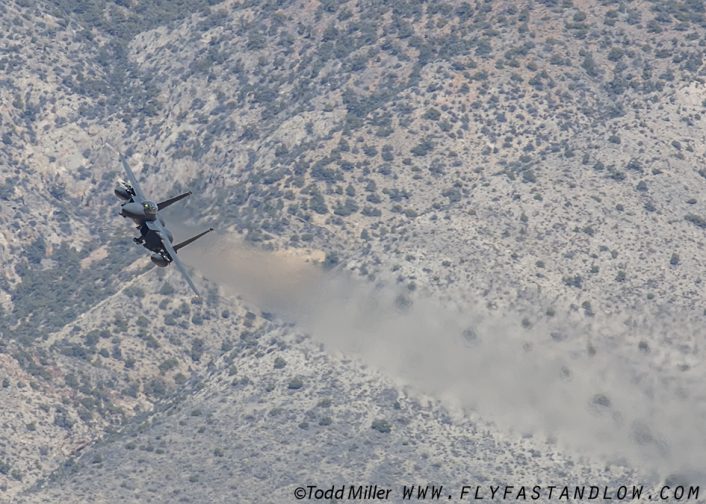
(133, 181)
(157, 227)
(131, 176)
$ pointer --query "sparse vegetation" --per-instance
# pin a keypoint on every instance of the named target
(459, 141)
(381, 425)
(296, 383)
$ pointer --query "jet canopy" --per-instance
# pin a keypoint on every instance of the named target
(150, 208)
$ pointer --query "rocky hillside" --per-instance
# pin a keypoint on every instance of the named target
(540, 159)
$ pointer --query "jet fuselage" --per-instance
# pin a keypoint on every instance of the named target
(151, 239)
(139, 212)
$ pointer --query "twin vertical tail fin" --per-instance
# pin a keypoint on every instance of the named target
(191, 240)
(166, 203)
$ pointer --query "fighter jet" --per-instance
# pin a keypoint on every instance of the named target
(154, 235)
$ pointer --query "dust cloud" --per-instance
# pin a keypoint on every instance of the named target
(538, 381)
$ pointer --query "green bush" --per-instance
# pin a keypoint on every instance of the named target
(296, 383)
(381, 425)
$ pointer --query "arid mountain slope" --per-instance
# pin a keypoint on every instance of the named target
(536, 158)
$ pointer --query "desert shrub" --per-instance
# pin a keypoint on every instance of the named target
(381, 425)
(197, 349)
(296, 383)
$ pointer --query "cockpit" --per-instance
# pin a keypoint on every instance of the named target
(150, 209)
